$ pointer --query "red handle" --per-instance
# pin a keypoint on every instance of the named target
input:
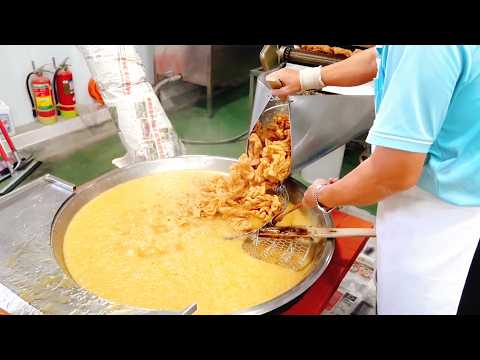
(6, 136)
(3, 154)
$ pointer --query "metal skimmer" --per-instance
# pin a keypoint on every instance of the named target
(295, 246)
(293, 254)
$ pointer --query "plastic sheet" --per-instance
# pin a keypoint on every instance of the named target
(144, 127)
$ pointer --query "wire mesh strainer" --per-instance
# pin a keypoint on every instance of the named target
(295, 246)
(295, 254)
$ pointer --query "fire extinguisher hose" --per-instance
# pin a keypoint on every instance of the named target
(34, 112)
(54, 88)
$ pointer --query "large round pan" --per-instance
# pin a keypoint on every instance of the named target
(194, 162)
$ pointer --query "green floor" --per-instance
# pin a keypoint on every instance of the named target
(231, 117)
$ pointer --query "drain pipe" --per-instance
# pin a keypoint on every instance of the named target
(169, 78)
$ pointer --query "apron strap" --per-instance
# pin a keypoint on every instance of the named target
(470, 300)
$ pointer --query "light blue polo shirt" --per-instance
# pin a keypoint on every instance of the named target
(427, 100)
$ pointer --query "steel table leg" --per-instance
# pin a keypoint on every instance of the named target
(251, 90)
(209, 101)
(253, 82)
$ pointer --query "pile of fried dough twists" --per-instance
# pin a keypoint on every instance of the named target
(247, 196)
(328, 50)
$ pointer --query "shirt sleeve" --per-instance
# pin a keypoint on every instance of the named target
(417, 95)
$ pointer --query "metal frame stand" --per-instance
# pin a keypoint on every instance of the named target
(254, 73)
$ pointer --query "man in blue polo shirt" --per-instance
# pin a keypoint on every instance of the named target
(424, 171)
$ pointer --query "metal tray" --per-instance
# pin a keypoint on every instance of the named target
(31, 281)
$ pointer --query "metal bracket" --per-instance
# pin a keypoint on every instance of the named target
(60, 183)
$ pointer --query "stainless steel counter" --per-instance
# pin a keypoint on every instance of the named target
(31, 281)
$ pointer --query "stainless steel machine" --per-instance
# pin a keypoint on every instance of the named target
(210, 66)
(321, 121)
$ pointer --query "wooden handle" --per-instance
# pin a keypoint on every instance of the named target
(343, 232)
(281, 216)
(317, 232)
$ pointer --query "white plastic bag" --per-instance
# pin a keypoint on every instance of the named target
(144, 127)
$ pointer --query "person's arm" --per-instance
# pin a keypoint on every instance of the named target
(358, 69)
(410, 117)
(385, 173)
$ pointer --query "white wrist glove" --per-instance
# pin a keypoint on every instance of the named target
(311, 79)
(320, 206)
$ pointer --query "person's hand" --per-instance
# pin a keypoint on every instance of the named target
(309, 197)
(290, 79)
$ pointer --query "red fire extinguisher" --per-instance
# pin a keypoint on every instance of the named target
(41, 97)
(64, 91)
